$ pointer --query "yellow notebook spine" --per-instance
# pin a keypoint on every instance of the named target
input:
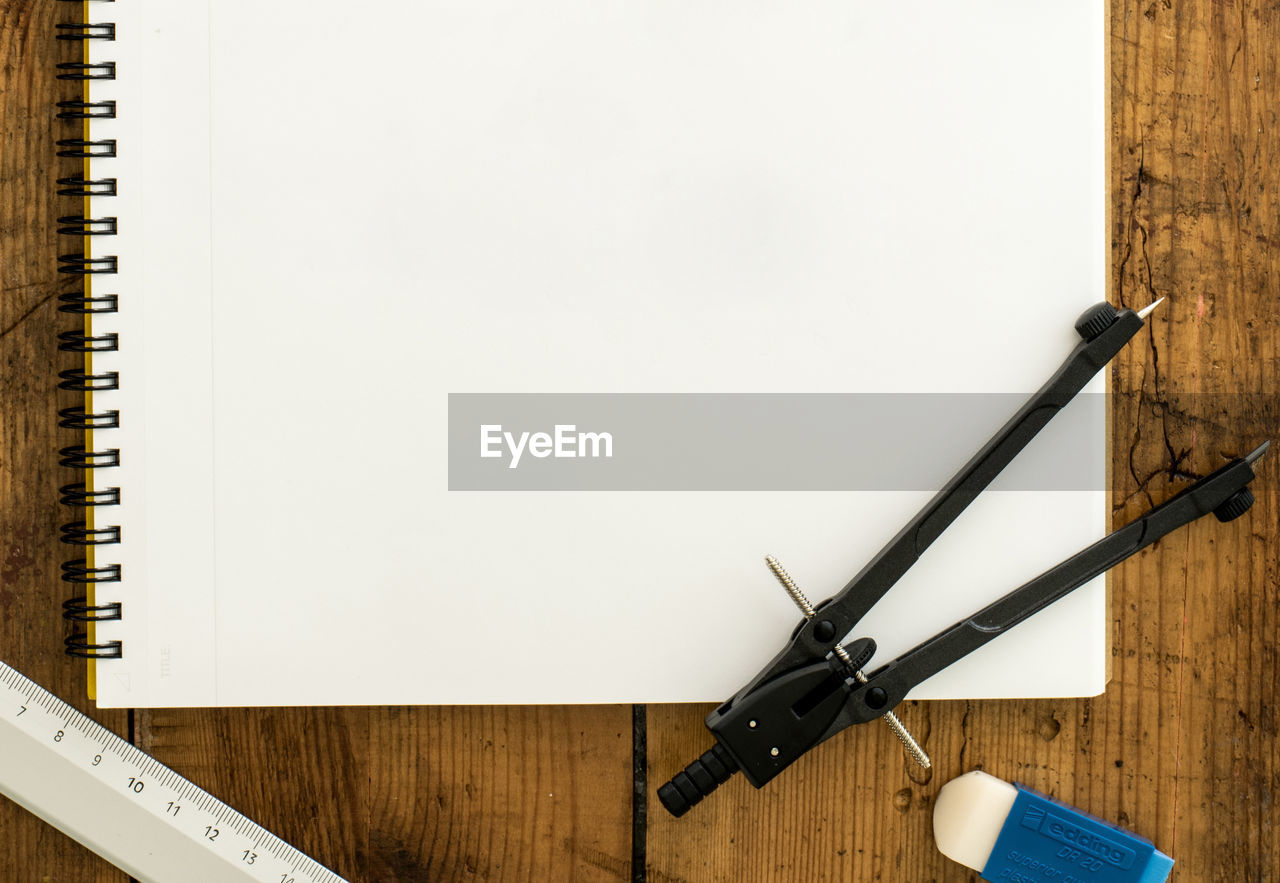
(90, 531)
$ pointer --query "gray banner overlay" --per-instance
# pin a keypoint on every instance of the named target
(720, 442)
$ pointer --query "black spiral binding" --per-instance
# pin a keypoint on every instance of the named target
(87, 569)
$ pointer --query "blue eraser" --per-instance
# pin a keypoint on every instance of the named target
(1012, 834)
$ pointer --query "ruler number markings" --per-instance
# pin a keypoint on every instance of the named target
(167, 795)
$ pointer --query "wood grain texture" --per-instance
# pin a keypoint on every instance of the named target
(1182, 747)
(31, 592)
(519, 793)
(1195, 183)
(420, 794)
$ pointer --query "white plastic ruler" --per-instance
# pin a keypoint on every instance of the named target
(127, 806)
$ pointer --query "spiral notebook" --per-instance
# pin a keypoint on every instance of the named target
(440, 352)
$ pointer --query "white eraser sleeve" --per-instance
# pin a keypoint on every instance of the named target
(969, 815)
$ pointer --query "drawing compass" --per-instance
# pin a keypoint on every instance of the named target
(815, 686)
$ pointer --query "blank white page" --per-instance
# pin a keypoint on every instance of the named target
(334, 216)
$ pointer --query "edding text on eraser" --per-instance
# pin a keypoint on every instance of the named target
(1011, 834)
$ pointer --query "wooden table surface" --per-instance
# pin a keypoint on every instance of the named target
(1181, 748)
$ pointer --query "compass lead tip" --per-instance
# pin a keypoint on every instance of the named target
(1143, 313)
